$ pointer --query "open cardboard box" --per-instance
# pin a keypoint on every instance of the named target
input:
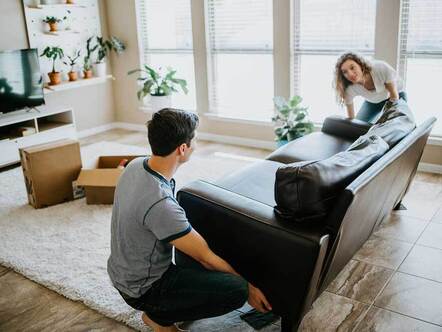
(100, 182)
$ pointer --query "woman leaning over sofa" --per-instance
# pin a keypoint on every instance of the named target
(374, 80)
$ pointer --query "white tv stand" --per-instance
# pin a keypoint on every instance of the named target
(42, 126)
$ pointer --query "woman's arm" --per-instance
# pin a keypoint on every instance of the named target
(391, 88)
(350, 111)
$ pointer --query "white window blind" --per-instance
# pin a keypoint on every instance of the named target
(240, 58)
(323, 29)
(421, 57)
(165, 32)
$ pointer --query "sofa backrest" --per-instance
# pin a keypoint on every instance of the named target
(370, 198)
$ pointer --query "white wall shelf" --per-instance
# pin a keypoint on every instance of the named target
(76, 84)
(56, 5)
(60, 32)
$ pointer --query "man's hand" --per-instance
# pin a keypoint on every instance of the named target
(257, 299)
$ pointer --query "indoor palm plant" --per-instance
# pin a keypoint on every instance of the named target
(159, 86)
(291, 119)
(103, 48)
(72, 62)
(53, 53)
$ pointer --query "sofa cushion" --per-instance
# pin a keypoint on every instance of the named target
(256, 181)
(395, 123)
(314, 146)
(305, 191)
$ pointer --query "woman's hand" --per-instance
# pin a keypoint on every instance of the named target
(258, 300)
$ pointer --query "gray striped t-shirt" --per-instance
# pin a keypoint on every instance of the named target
(145, 218)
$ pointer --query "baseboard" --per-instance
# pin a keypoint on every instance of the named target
(253, 143)
(130, 126)
(431, 168)
(95, 130)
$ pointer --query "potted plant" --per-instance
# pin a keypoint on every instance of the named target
(104, 47)
(52, 21)
(87, 62)
(158, 86)
(73, 76)
(291, 120)
(53, 53)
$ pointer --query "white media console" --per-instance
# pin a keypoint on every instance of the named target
(25, 128)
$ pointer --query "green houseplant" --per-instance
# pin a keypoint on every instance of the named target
(104, 47)
(87, 62)
(158, 85)
(291, 119)
(53, 53)
(72, 62)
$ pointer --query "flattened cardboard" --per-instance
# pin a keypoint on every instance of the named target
(100, 183)
(49, 170)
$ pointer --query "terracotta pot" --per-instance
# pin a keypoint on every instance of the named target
(73, 76)
(55, 78)
(87, 73)
(53, 27)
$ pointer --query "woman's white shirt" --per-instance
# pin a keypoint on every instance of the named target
(382, 73)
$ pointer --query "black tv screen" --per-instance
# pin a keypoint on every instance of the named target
(21, 82)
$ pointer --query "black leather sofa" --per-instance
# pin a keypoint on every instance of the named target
(293, 263)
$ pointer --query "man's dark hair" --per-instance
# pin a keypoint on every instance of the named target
(169, 128)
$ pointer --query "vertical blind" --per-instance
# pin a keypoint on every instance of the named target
(240, 58)
(420, 57)
(165, 32)
(322, 29)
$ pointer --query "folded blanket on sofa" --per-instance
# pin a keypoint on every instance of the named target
(305, 191)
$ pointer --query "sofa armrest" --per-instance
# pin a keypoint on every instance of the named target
(281, 260)
(344, 127)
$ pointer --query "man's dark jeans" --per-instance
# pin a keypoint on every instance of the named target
(186, 294)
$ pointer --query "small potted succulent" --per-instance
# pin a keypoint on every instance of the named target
(52, 21)
(159, 86)
(53, 53)
(87, 62)
(291, 120)
(103, 48)
(73, 75)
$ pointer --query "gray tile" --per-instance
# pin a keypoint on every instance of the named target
(419, 208)
(432, 236)
(381, 252)
(380, 320)
(437, 218)
(413, 296)
(360, 281)
(402, 228)
(332, 312)
(424, 262)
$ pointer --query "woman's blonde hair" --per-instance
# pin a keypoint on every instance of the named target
(340, 83)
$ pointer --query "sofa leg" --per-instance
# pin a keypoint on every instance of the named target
(399, 206)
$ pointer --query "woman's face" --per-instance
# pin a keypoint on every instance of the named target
(352, 71)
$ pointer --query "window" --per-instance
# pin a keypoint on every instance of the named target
(165, 32)
(421, 57)
(322, 29)
(240, 58)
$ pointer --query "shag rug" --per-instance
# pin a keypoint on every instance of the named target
(65, 247)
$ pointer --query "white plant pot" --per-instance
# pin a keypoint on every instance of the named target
(99, 69)
(157, 103)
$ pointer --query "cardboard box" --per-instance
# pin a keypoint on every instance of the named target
(99, 183)
(49, 170)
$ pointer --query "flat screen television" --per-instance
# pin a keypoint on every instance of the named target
(21, 82)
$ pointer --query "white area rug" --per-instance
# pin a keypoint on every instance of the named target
(65, 247)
